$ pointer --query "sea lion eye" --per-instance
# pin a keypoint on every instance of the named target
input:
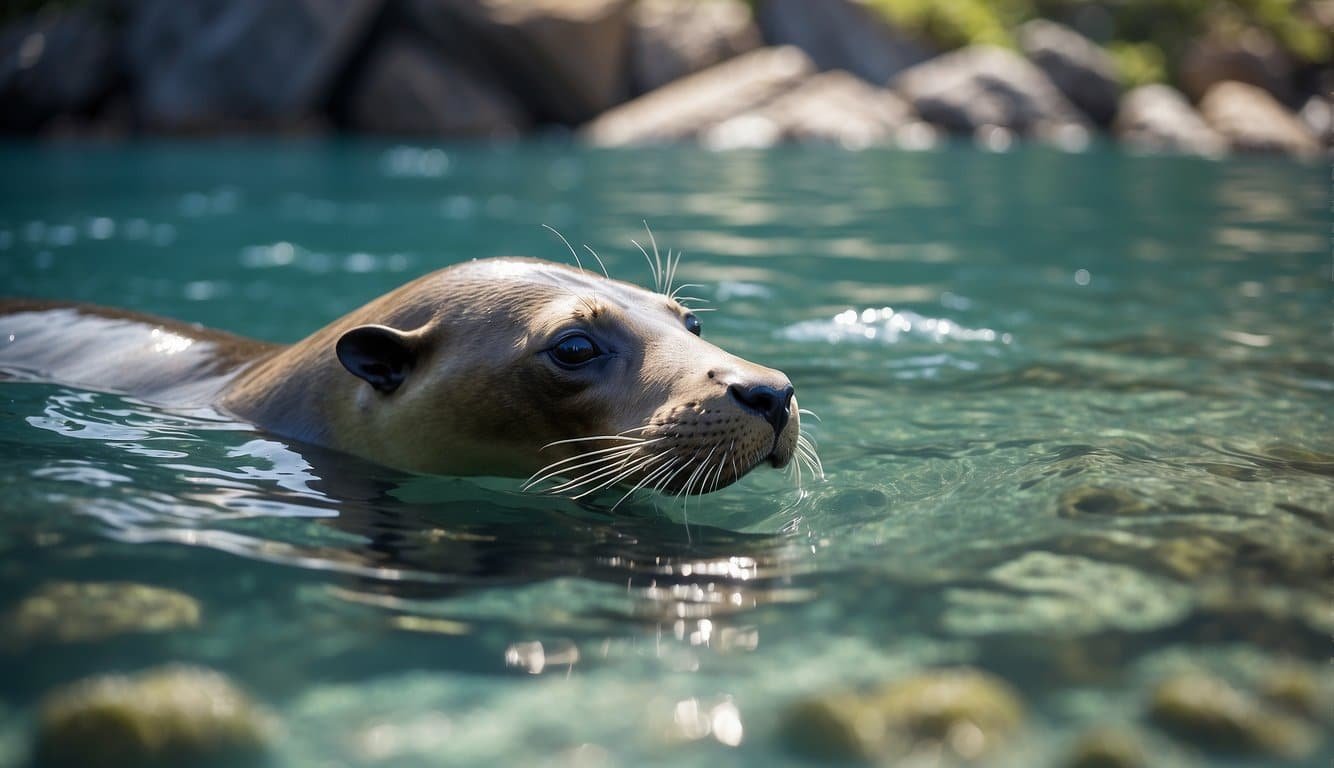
(692, 324)
(574, 350)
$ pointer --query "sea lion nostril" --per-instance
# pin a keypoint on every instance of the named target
(767, 401)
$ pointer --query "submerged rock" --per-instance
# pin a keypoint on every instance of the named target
(1212, 714)
(985, 88)
(407, 89)
(1107, 748)
(1087, 500)
(1082, 70)
(686, 108)
(966, 711)
(1253, 121)
(842, 34)
(68, 612)
(671, 39)
(53, 64)
(1157, 118)
(174, 715)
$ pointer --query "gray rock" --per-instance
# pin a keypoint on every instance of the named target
(1253, 121)
(1157, 118)
(406, 88)
(842, 34)
(671, 39)
(206, 64)
(685, 109)
(1083, 71)
(53, 64)
(1252, 57)
(565, 60)
(173, 715)
(983, 87)
(1318, 115)
(834, 107)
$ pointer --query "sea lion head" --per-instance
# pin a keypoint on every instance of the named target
(528, 368)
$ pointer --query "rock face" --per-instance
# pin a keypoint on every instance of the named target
(1252, 121)
(53, 64)
(167, 716)
(1083, 72)
(210, 63)
(686, 108)
(841, 34)
(1253, 57)
(671, 39)
(407, 89)
(565, 60)
(982, 86)
(1157, 118)
(831, 107)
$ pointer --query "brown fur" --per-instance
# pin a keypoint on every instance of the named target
(483, 396)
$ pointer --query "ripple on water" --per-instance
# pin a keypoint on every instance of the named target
(887, 325)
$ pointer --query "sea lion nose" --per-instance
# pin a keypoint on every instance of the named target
(770, 402)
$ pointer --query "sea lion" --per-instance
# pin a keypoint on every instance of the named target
(503, 366)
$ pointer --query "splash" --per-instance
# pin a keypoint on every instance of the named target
(889, 326)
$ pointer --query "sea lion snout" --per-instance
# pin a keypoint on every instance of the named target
(769, 402)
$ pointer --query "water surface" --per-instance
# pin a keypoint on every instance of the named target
(1075, 422)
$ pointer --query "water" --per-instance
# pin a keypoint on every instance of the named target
(1075, 418)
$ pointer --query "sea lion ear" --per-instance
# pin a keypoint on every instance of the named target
(377, 353)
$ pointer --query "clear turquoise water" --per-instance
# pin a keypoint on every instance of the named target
(1158, 329)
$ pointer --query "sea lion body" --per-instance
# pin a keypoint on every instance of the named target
(506, 366)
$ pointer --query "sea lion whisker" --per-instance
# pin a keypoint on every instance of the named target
(557, 467)
(627, 472)
(550, 473)
(611, 467)
(647, 477)
(657, 281)
(592, 470)
(567, 245)
(809, 412)
(605, 273)
(656, 258)
(703, 309)
(621, 436)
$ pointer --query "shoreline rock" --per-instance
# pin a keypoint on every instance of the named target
(842, 34)
(1157, 118)
(980, 88)
(1254, 121)
(688, 107)
(1082, 71)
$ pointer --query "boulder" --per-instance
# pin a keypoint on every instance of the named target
(1082, 70)
(90, 611)
(1253, 121)
(965, 711)
(670, 39)
(208, 64)
(685, 109)
(842, 34)
(1157, 118)
(834, 107)
(1212, 714)
(53, 64)
(1318, 115)
(174, 715)
(983, 87)
(1251, 57)
(565, 60)
(405, 88)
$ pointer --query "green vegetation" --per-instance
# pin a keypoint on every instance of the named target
(1146, 37)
